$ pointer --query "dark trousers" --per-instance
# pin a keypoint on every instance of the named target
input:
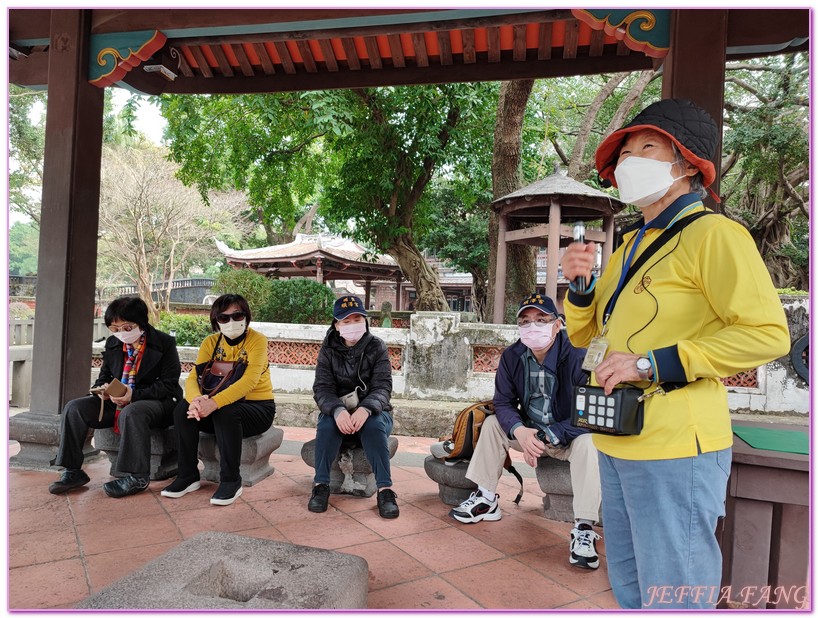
(373, 436)
(231, 424)
(135, 423)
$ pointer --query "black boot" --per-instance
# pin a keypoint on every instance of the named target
(69, 479)
(319, 499)
(388, 504)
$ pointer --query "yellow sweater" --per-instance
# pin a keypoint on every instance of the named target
(254, 385)
(706, 309)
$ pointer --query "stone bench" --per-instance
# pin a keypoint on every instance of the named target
(163, 451)
(554, 478)
(350, 472)
(254, 465)
(453, 486)
(218, 570)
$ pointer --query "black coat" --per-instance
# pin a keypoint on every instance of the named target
(337, 373)
(158, 375)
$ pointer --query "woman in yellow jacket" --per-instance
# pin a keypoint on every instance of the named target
(245, 408)
(700, 308)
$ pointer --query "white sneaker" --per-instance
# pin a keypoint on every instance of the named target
(441, 450)
(583, 547)
(179, 488)
(477, 508)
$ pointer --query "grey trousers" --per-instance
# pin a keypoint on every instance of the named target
(135, 423)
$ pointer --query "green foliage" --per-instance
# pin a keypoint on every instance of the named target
(298, 301)
(190, 330)
(255, 288)
(24, 241)
(792, 292)
(26, 150)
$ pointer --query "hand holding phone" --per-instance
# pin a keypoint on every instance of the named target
(579, 236)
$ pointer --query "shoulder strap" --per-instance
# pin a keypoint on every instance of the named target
(657, 244)
(216, 347)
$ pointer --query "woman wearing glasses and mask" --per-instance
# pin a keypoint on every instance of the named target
(243, 409)
(146, 362)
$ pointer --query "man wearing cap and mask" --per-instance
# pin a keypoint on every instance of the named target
(699, 308)
(352, 388)
(533, 387)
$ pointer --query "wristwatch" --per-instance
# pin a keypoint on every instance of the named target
(644, 368)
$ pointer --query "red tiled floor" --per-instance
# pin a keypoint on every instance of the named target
(423, 560)
(388, 565)
(513, 585)
(429, 593)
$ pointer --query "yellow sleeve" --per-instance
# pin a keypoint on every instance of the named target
(738, 286)
(257, 362)
(192, 389)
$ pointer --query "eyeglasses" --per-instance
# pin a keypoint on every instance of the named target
(123, 329)
(525, 323)
(236, 316)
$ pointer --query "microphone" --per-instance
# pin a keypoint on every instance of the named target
(579, 236)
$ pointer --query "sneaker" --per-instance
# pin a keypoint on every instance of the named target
(69, 479)
(126, 486)
(477, 508)
(441, 450)
(227, 493)
(583, 547)
(388, 504)
(320, 498)
(179, 487)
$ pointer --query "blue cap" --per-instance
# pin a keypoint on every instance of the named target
(538, 301)
(346, 306)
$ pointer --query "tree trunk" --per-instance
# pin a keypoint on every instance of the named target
(422, 276)
(479, 294)
(521, 274)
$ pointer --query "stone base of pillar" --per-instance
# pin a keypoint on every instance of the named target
(39, 436)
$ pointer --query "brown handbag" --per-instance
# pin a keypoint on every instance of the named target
(215, 376)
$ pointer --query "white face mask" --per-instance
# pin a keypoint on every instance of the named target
(352, 333)
(233, 329)
(537, 336)
(642, 181)
(129, 337)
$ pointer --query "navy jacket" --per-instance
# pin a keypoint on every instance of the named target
(564, 361)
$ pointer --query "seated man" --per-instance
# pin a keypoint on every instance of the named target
(147, 363)
(533, 388)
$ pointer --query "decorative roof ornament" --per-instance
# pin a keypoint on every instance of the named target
(646, 31)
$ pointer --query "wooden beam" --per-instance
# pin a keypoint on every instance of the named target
(29, 71)
(569, 48)
(373, 52)
(398, 28)
(329, 55)
(493, 36)
(540, 232)
(419, 44)
(203, 67)
(393, 76)
(286, 59)
(519, 45)
(766, 26)
(469, 53)
(244, 61)
(597, 43)
(221, 60)
(353, 62)
(29, 24)
(396, 48)
(622, 49)
(266, 62)
(184, 67)
(544, 47)
(306, 56)
(444, 43)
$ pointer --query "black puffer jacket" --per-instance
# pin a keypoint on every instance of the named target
(337, 373)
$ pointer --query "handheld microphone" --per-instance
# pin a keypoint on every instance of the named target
(579, 236)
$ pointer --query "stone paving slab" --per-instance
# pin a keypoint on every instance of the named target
(219, 570)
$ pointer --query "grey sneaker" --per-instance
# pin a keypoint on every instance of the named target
(441, 450)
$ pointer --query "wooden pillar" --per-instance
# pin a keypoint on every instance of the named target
(398, 281)
(553, 250)
(500, 271)
(68, 239)
(608, 246)
(368, 288)
(319, 270)
(694, 68)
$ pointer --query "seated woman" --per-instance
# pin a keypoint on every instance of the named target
(243, 409)
(353, 360)
(146, 362)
